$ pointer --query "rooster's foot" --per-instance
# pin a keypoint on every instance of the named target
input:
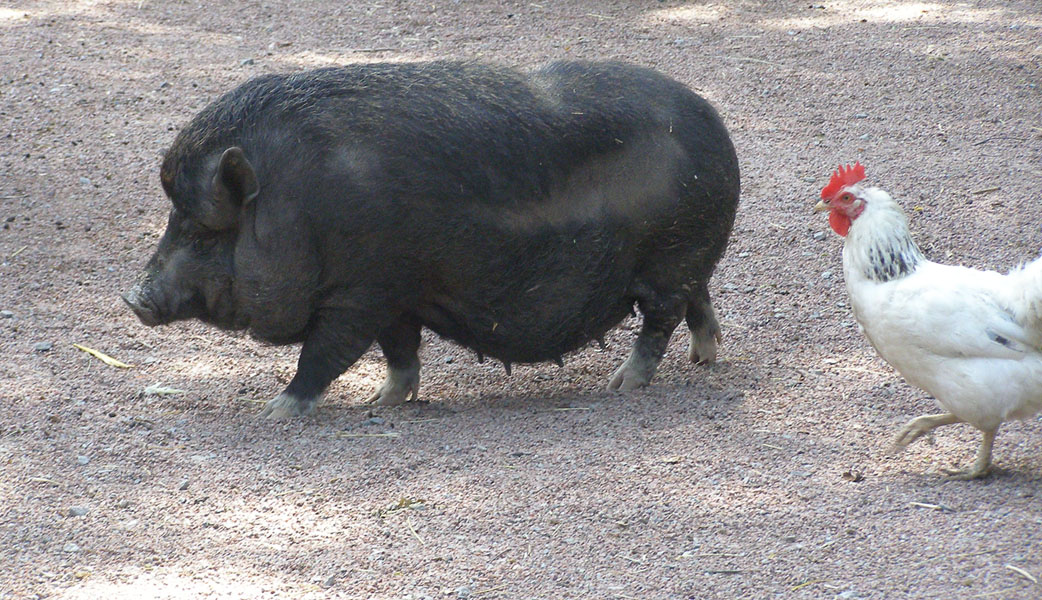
(920, 426)
(982, 466)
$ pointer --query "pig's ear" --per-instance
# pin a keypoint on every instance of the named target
(234, 186)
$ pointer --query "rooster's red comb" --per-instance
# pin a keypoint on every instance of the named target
(842, 178)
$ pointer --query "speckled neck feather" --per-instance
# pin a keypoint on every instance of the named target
(880, 246)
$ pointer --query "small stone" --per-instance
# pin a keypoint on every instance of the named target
(373, 421)
(449, 359)
(6, 314)
(826, 275)
(84, 181)
(329, 582)
(70, 547)
(43, 347)
(789, 539)
(861, 116)
(246, 61)
(819, 235)
(463, 592)
(865, 136)
(749, 289)
(743, 255)
(847, 594)
(82, 459)
(78, 511)
(183, 485)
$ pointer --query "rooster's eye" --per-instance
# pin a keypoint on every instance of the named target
(847, 197)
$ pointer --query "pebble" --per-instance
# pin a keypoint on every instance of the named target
(70, 547)
(183, 486)
(373, 421)
(84, 181)
(819, 235)
(6, 314)
(246, 61)
(82, 459)
(42, 346)
(861, 116)
(826, 275)
(78, 511)
(847, 594)
(329, 582)
(448, 360)
(463, 592)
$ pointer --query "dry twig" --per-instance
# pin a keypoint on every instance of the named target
(1023, 573)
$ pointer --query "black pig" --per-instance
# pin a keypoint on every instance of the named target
(521, 214)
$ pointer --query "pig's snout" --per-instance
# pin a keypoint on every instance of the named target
(143, 307)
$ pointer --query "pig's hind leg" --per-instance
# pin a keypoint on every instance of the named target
(336, 339)
(705, 329)
(400, 343)
(662, 313)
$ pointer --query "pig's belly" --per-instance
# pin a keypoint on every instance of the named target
(514, 330)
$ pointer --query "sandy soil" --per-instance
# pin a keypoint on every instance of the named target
(764, 476)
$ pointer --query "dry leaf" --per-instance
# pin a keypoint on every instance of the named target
(105, 358)
(853, 475)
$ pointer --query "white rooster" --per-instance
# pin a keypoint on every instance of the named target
(972, 339)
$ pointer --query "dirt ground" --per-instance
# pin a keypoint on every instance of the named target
(766, 475)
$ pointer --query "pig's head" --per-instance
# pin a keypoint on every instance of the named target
(191, 274)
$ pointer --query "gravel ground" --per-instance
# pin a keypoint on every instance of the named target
(766, 475)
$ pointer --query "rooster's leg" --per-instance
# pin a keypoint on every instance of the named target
(981, 466)
(920, 426)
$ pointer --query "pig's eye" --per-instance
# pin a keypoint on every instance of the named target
(204, 243)
(201, 238)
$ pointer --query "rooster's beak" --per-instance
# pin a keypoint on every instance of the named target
(821, 207)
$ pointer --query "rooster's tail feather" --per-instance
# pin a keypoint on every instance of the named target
(1029, 285)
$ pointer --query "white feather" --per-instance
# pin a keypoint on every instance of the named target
(972, 339)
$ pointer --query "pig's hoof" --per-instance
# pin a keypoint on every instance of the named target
(633, 374)
(702, 345)
(398, 387)
(285, 406)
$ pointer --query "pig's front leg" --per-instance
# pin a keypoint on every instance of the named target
(400, 343)
(335, 341)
